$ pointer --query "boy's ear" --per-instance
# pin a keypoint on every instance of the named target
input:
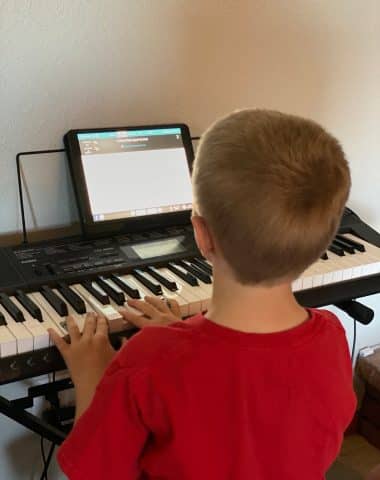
(203, 236)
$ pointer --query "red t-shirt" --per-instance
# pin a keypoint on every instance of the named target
(198, 401)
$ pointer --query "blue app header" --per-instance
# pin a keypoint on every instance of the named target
(128, 133)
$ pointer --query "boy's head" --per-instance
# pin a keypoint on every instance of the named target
(271, 189)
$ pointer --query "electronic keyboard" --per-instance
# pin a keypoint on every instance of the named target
(40, 284)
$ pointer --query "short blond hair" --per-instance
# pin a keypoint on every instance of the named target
(272, 188)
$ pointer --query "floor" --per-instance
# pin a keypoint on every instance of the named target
(356, 459)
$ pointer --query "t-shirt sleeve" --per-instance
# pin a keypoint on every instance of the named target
(110, 435)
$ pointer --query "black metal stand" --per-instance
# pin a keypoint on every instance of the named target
(19, 181)
(16, 410)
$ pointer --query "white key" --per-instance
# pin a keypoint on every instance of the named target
(340, 268)
(50, 318)
(40, 334)
(8, 342)
(118, 289)
(185, 291)
(115, 320)
(78, 318)
(144, 291)
(23, 337)
(203, 296)
(183, 304)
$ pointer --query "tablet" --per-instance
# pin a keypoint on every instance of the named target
(131, 178)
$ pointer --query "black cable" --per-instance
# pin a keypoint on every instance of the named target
(43, 455)
(195, 138)
(19, 181)
(353, 344)
(44, 475)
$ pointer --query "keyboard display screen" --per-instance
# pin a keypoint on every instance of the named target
(159, 248)
(132, 173)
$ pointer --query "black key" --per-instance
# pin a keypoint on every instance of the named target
(72, 297)
(181, 273)
(347, 248)
(337, 250)
(324, 256)
(117, 297)
(101, 297)
(154, 287)
(11, 308)
(3, 322)
(130, 291)
(358, 246)
(29, 305)
(56, 302)
(169, 284)
(191, 268)
(203, 265)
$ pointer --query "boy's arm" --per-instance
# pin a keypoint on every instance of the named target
(86, 356)
(109, 437)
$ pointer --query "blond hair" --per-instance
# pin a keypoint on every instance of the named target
(272, 188)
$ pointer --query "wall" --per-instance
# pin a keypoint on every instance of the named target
(80, 63)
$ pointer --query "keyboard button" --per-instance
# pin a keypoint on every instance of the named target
(125, 286)
(23, 337)
(345, 246)
(153, 286)
(57, 303)
(11, 308)
(203, 265)
(116, 295)
(96, 292)
(72, 298)
(50, 318)
(195, 271)
(192, 300)
(29, 305)
(39, 333)
(166, 282)
(357, 245)
(115, 320)
(201, 294)
(8, 343)
(183, 274)
(337, 250)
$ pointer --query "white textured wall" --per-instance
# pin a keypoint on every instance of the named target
(87, 63)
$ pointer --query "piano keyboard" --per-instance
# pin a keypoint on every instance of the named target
(26, 317)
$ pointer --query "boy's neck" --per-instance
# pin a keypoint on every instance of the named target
(254, 309)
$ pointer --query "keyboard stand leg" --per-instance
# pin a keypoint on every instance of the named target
(31, 422)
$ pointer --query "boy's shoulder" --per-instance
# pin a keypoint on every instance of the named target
(157, 342)
(332, 321)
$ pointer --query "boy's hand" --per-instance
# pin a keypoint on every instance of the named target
(86, 356)
(156, 311)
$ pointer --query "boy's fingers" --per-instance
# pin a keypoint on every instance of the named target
(164, 305)
(157, 302)
(144, 307)
(101, 326)
(73, 329)
(58, 341)
(89, 325)
(138, 321)
(174, 307)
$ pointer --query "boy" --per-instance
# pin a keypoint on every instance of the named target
(258, 387)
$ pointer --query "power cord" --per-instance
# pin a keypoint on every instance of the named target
(353, 344)
(43, 455)
(46, 461)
